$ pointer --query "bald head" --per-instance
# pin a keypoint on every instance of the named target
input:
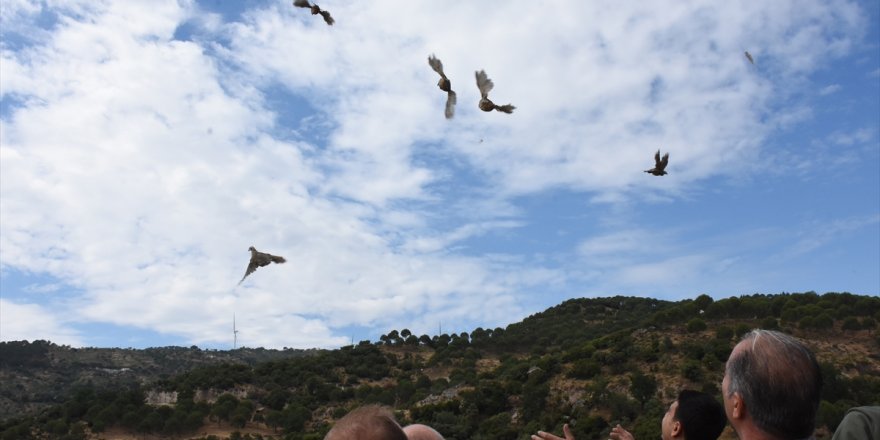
(371, 422)
(779, 381)
(421, 432)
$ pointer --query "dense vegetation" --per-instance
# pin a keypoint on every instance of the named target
(589, 362)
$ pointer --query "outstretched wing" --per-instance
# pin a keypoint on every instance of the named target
(327, 18)
(484, 83)
(436, 65)
(507, 108)
(663, 162)
(252, 267)
(657, 158)
(302, 3)
(450, 104)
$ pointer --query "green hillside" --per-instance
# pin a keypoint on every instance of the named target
(589, 362)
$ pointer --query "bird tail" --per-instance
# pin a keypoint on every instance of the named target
(277, 259)
(450, 104)
(505, 108)
(302, 3)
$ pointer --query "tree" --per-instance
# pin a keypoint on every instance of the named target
(426, 340)
(224, 406)
(703, 301)
(851, 323)
(241, 414)
(642, 386)
(394, 337)
(294, 418)
(277, 398)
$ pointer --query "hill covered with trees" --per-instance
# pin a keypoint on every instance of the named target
(591, 363)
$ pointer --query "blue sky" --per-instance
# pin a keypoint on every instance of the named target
(145, 145)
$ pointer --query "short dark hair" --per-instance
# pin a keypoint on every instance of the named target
(701, 415)
(779, 380)
(369, 422)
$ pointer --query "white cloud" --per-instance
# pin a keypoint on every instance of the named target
(138, 168)
(859, 136)
(820, 234)
(32, 322)
(829, 89)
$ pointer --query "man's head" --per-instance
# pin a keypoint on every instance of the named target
(693, 416)
(772, 383)
(421, 432)
(371, 422)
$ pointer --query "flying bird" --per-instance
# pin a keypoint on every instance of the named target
(659, 164)
(485, 85)
(260, 259)
(749, 57)
(315, 10)
(445, 84)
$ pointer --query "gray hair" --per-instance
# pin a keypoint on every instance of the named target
(779, 380)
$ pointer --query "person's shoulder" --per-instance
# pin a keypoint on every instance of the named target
(866, 410)
(861, 422)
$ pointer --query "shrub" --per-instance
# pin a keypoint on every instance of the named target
(696, 325)
(692, 370)
(585, 369)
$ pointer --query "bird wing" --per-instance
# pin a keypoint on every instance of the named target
(657, 158)
(327, 18)
(663, 162)
(506, 108)
(484, 83)
(252, 267)
(302, 3)
(450, 104)
(436, 65)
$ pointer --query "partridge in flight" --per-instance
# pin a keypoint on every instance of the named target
(315, 10)
(444, 84)
(485, 85)
(260, 259)
(749, 57)
(659, 164)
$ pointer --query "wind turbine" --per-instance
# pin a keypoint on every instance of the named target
(234, 333)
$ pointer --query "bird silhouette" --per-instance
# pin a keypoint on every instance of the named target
(485, 85)
(315, 10)
(749, 57)
(659, 164)
(445, 84)
(260, 259)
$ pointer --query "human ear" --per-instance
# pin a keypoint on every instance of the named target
(676, 429)
(737, 406)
